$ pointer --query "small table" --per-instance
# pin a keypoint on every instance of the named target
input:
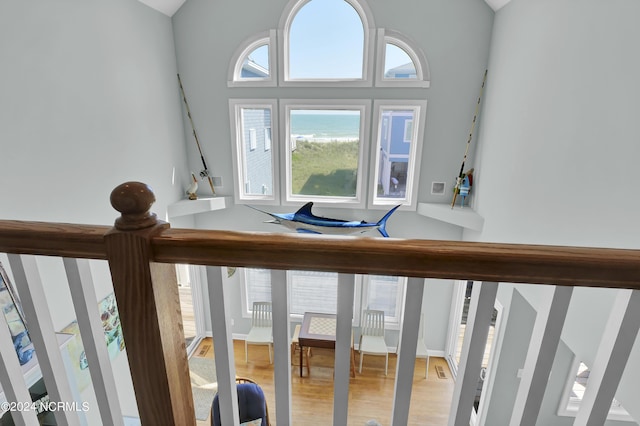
(319, 331)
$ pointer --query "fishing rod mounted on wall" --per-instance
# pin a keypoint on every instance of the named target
(204, 173)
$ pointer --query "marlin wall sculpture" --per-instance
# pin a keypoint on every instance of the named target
(304, 221)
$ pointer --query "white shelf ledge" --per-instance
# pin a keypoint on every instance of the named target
(201, 205)
(465, 217)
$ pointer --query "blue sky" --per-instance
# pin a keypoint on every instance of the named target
(326, 42)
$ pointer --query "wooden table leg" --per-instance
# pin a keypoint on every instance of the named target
(301, 349)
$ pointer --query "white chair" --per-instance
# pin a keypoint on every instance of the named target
(261, 332)
(421, 349)
(372, 337)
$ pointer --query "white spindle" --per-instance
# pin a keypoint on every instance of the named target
(545, 338)
(85, 303)
(407, 352)
(38, 317)
(223, 349)
(342, 363)
(281, 342)
(13, 385)
(611, 359)
(483, 298)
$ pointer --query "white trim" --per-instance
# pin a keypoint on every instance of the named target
(457, 303)
(234, 78)
(239, 161)
(361, 105)
(368, 25)
(410, 201)
(419, 59)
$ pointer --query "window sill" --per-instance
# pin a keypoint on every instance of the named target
(201, 205)
(465, 217)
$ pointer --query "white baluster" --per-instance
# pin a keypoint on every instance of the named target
(407, 352)
(483, 297)
(611, 359)
(38, 317)
(342, 363)
(281, 342)
(13, 385)
(90, 325)
(543, 345)
(223, 349)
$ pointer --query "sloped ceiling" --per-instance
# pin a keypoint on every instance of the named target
(169, 7)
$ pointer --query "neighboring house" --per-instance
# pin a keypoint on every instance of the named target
(257, 128)
(402, 71)
(395, 140)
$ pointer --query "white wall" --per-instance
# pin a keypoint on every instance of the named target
(558, 140)
(89, 100)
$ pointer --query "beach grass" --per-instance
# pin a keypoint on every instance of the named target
(325, 168)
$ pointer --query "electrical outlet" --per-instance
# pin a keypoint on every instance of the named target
(217, 181)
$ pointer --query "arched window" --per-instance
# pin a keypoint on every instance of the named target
(253, 63)
(400, 62)
(337, 151)
(336, 36)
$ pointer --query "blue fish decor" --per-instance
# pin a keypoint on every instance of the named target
(304, 221)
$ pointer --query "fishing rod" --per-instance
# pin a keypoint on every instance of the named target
(205, 172)
(460, 178)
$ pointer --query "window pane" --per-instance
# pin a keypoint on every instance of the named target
(395, 139)
(257, 171)
(397, 63)
(326, 41)
(256, 63)
(325, 148)
(313, 291)
(258, 285)
(383, 294)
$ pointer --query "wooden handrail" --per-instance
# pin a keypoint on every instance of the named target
(139, 249)
(589, 267)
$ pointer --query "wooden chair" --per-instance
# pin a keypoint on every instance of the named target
(295, 347)
(261, 332)
(372, 337)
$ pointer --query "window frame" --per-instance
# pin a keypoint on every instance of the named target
(414, 157)
(364, 106)
(234, 77)
(390, 322)
(569, 407)
(238, 154)
(246, 310)
(284, 27)
(423, 76)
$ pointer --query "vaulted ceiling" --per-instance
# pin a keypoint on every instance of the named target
(169, 7)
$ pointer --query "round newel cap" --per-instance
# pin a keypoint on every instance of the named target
(133, 200)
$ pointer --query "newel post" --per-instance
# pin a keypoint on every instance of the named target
(149, 307)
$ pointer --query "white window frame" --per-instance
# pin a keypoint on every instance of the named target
(362, 105)
(390, 322)
(246, 309)
(239, 162)
(234, 73)
(569, 407)
(415, 154)
(284, 27)
(423, 76)
(408, 131)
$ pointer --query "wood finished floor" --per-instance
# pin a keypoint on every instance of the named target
(370, 393)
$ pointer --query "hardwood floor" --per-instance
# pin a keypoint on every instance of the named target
(370, 393)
